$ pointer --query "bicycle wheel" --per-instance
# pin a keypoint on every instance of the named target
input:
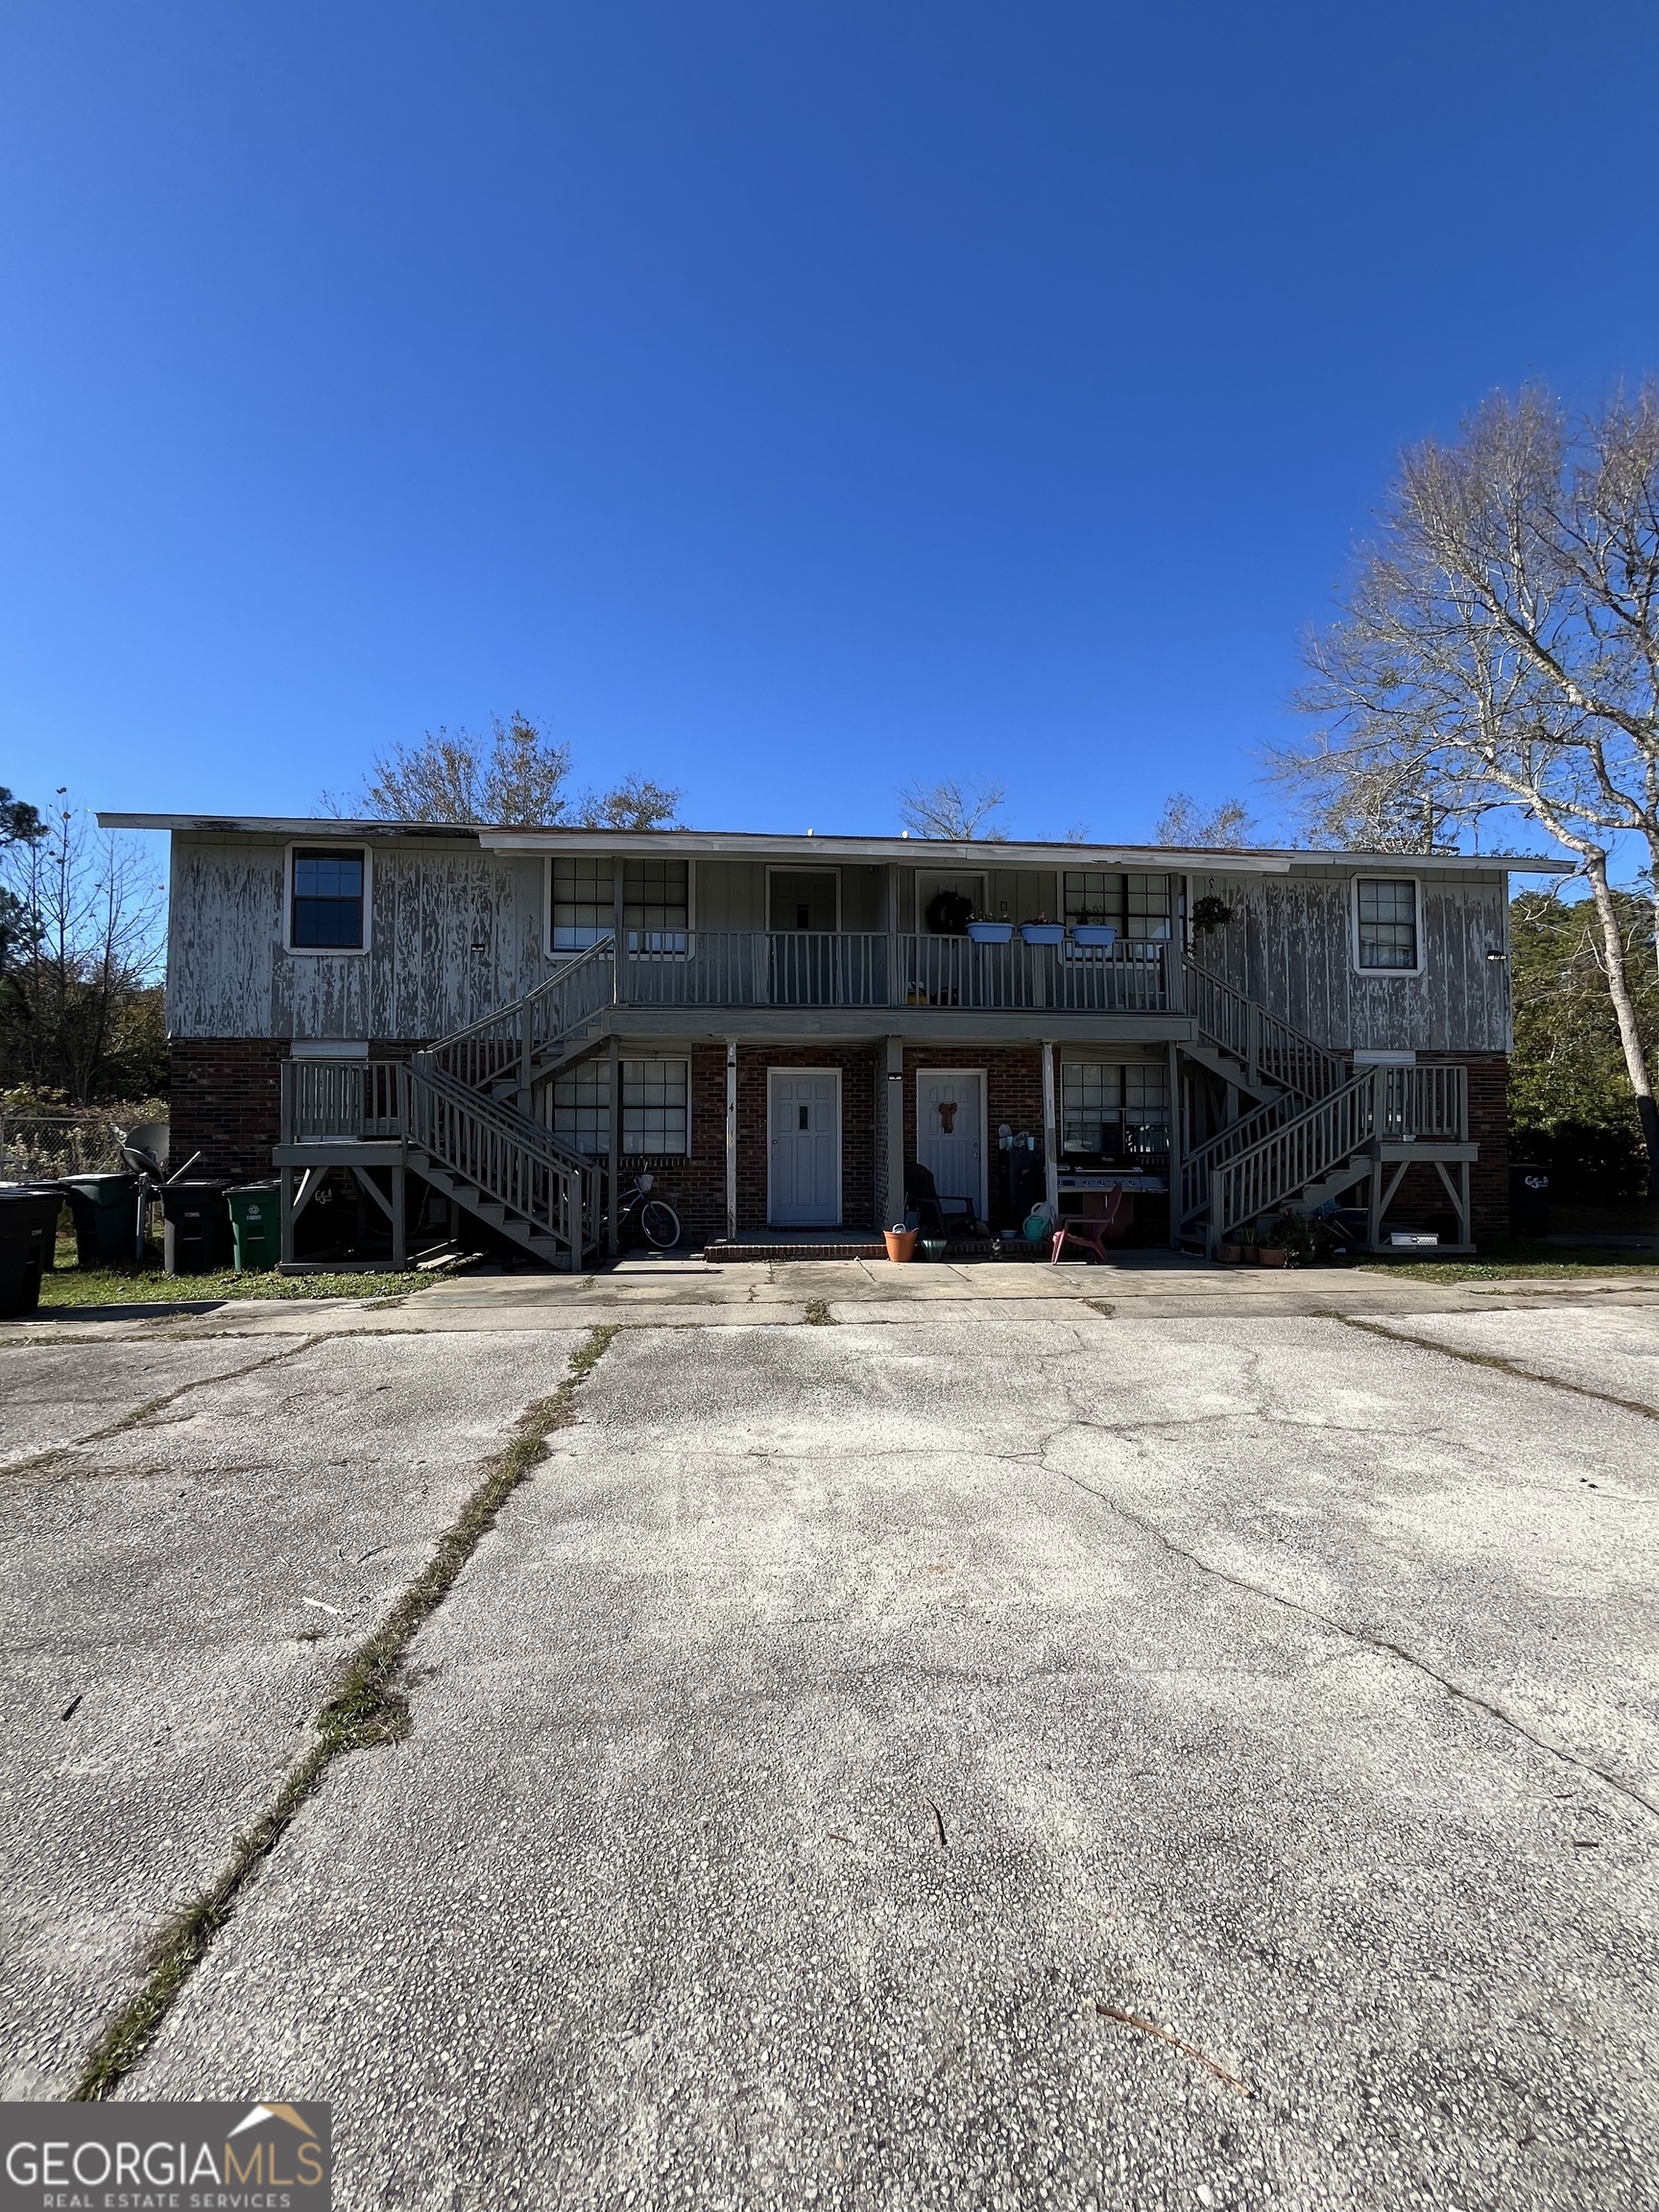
(660, 1222)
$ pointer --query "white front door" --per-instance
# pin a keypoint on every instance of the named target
(804, 1173)
(950, 1132)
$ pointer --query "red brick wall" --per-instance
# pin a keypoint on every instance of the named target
(226, 1103)
(1489, 1128)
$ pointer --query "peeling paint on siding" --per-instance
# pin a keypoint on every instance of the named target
(456, 932)
(1290, 944)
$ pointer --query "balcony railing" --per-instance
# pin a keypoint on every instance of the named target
(340, 1101)
(871, 969)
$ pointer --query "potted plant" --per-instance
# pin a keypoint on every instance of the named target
(1230, 1254)
(1087, 930)
(901, 1242)
(1040, 930)
(1288, 1241)
(984, 931)
(1210, 913)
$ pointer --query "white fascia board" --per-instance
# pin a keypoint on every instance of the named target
(921, 852)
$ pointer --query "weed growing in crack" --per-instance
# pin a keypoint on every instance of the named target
(817, 1315)
(367, 1707)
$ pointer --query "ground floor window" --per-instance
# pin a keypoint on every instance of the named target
(1111, 1108)
(655, 1107)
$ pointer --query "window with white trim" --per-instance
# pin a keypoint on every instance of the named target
(656, 902)
(1113, 1109)
(655, 1108)
(326, 899)
(1386, 922)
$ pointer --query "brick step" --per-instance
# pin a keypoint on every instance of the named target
(959, 1248)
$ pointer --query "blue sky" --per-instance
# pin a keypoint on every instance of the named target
(782, 400)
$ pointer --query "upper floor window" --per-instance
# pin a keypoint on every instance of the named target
(656, 902)
(1386, 922)
(326, 900)
(1135, 905)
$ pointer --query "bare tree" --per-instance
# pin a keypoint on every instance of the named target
(86, 981)
(963, 812)
(636, 803)
(1228, 824)
(1498, 654)
(513, 778)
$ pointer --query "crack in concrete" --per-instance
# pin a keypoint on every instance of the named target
(1496, 1361)
(151, 1407)
(367, 1707)
(1369, 1638)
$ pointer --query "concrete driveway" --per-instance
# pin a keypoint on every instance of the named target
(1054, 1758)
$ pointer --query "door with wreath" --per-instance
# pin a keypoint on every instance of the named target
(950, 1132)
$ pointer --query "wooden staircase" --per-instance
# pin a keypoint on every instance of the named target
(1378, 1120)
(468, 1130)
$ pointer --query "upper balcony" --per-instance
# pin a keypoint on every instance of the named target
(879, 971)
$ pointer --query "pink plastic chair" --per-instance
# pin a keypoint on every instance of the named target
(1094, 1232)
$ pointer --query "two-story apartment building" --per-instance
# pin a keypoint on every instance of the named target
(514, 1018)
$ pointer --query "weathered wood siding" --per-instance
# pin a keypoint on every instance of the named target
(1290, 944)
(453, 933)
(456, 932)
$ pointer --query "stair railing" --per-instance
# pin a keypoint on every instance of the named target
(1288, 1158)
(503, 1046)
(1200, 1164)
(504, 1155)
(1269, 1045)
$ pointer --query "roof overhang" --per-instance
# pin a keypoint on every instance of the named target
(918, 851)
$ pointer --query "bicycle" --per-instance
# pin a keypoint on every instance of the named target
(652, 1219)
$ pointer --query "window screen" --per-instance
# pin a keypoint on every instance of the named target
(328, 901)
(655, 911)
(656, 1115)
(1136, 905)
(1387, 923)
(1114, 1107)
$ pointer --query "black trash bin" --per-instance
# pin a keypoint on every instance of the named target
(28, 1228)
(197, 1237)
(105, 1213)
(1528, 1200)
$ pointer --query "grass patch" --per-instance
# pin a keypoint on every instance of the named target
(817, 1315)
(367, 1707)
(78, 1287)
(1510, 1259)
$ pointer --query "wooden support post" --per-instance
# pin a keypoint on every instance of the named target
(613, 1164)
(619, 936)
(400, 1220)
(1051, 1134)
(1374, 1209)
(890, 923)
(893, 1106)
(1175, 1145)
(285, 1216)
(526, 1029)
(731, 1138)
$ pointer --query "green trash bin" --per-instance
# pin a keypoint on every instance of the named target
(254, 1226)
(105, 1209)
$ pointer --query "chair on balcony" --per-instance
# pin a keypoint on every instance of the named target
(934, 1214)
